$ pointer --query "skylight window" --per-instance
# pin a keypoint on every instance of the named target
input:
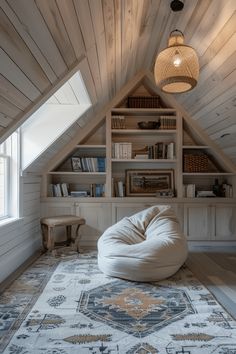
(53, 118)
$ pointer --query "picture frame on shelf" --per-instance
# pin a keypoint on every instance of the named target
(76, 164)
(142, 183)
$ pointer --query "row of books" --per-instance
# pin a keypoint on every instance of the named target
(58, 190)
(167, 122)
(143, 102)
(88, 164)
(62, 190)
(122, 150)
(118, 188)
(95, 190)
(117, 122)
(162, 150)
(190, 191)
(228, 190)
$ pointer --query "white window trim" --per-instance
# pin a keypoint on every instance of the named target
(6, 185)
(11, 154)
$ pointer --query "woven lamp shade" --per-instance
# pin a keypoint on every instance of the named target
(176, 68)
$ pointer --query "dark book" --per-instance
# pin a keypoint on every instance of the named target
(101, 161)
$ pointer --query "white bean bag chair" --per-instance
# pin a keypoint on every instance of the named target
(147, 246)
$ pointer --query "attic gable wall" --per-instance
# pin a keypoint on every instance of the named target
(141, 82)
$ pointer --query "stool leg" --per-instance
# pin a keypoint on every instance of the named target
(68, 234)
(50, 244)
(77, 239)
(44, 237)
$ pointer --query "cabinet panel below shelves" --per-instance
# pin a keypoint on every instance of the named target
(197, 222)
(225, 222)
(98, 219)
(200, 221)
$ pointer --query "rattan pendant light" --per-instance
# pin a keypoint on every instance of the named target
(176, 68)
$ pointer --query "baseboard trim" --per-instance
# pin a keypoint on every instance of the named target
(13, 276)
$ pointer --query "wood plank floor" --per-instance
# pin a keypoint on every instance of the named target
(215, 267)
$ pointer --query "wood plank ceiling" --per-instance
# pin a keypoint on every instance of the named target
(41, 41)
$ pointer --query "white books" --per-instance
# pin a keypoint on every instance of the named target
(141, 156)
(190, 191)
(170, 151)
(64, 189)
(228, 190)
(120, 189)
(122, 150)
(58, 190)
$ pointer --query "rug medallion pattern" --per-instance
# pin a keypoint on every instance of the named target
(66, 305)
(134, 308)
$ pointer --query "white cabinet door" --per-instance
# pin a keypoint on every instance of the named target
(198, 221)
(120, 210)
(97, 219)
(57, 208)
(225, 222)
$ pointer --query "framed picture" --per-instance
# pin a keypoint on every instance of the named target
(148, 182)
(76, 164)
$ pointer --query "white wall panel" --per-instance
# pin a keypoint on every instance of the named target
(21, 239)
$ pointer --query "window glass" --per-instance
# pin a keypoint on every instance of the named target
(53, 118)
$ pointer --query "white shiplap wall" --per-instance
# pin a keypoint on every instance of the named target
(21, 239)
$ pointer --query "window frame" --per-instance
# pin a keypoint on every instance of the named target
(6, 185)
(9, 151)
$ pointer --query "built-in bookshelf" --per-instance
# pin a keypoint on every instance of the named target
(142, 152)
(81, 174)
(142, 140)
(203, 175)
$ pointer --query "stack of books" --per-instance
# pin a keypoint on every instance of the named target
(167, 122)
(143, 102)
(122, 150)
(162, 150)
(118, 188)
(97, 190)
(189, 190)
(228, 190)
(92, 164)
(117, 122)
(78, 194)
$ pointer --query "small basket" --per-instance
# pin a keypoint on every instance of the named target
(144, 102)
(195, 163)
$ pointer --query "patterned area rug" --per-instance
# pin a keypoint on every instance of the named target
(66, 305)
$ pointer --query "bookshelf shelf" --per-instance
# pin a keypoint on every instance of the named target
(86, 146)
(208, 174)
(145, 160)
(77, 173)
(143, 131)
(143, 111)
(189, 147)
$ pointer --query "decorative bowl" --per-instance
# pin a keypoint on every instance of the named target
(152, 124)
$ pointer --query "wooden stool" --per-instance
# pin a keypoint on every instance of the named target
(48, 224)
